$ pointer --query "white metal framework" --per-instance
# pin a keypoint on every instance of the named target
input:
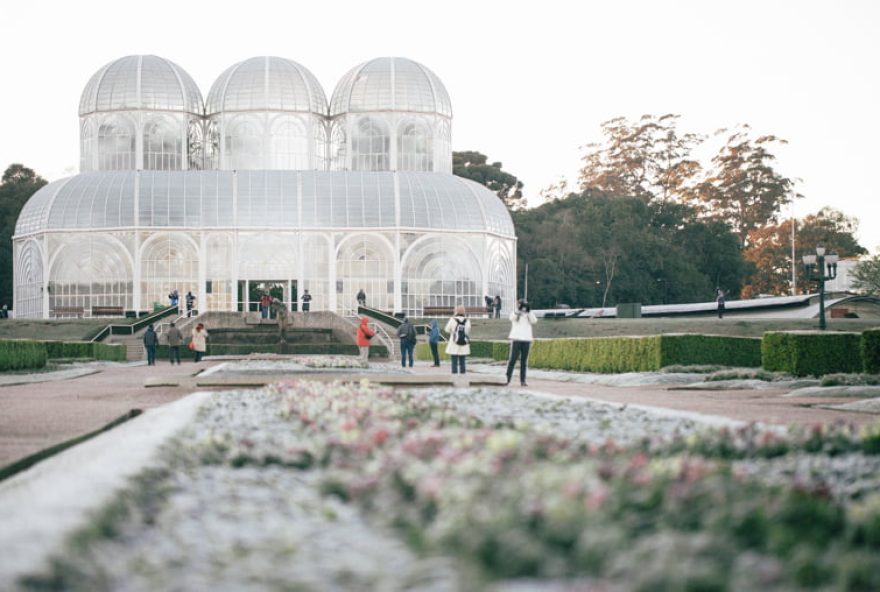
(268, 187)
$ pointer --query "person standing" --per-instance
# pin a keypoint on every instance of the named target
(434, 341)
(521, 321)
(407, 334)
(459, 345)
(190, 300)
(174, 297)
(490, 305)
(497, 305)
(361, 297)
(175, 338)
(721, 300)
(265, 302)
(363, 336)
(151, 340)
(199, 341)
(306, 299)
(4, 312)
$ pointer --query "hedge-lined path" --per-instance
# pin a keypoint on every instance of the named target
(39, 415)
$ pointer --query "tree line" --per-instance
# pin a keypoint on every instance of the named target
(651, 222)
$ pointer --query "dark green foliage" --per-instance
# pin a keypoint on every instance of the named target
(18, 185)
(493, 350)
(870, 350)
(592, 249)
(811, 353)
(22, 354)
(474, 166)
(85, 350)
(744, 352)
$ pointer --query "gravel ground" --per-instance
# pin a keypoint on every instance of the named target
(285, 367)
(623, 379)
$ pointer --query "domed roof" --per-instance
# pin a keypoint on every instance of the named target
(267, 83)
(275, 199)
(141, 82)
(390, 84)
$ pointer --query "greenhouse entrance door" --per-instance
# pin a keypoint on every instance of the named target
(250, 291)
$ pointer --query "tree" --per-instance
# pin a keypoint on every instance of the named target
(743, 189)
(473, 165)
(866, 276)
(648, 159)
(19, 183)
(770, 249)
(592, 249)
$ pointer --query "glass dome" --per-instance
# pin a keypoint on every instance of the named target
(390, 84)
(264, 199)
(141, 82)
(267, 83)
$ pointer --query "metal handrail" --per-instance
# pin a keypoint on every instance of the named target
(132, 328)
(389, 343)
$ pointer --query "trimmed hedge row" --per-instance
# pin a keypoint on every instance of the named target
(494, 350)
(623, 354)
(22, 354)
(812, 353)
(19, 354)
(870, 350)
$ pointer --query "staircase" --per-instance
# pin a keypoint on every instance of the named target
(134, 346)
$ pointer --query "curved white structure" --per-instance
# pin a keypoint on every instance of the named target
(264, 212)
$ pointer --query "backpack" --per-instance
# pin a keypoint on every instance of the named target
(461, 337)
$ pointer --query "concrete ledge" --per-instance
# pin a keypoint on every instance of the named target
(40, 507)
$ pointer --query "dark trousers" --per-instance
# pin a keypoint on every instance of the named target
(305, 307)
(151, 355)
(458, 363)
(498, 313)
(174, 353)
(435, 352)
(406, 352)
(721, 312)
(197, 355)
(518, 349)
(264, 311)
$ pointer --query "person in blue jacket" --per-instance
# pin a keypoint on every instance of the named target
(434, 341)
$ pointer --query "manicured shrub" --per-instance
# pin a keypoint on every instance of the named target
(494, 350)
(110, 351)
(604, 354)
(85, 350)
(742, 352)
(811, 353)
(870, 349)
(22, 354)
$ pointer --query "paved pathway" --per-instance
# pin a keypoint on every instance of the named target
(36, 416)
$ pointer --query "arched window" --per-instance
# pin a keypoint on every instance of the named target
(370, 146)
(195, 149)
(415, 151)
(92, 270)
(337, 146)
(28, 281)
(162, 146)
(440, 271)
(289, 145)
(244, 145)
(87, 147)
(168, 261)
(364, 262)
(116, 145)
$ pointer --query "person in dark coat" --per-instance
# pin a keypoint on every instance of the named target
(175, 339)
(307, 299)
(151, 340)
(497, 304)
(434, 341)
(190, 300)
(721, 300)
(407, 334)
(361, 297)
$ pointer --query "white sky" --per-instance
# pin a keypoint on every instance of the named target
(530, 82)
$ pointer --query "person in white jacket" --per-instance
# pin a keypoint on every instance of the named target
(459, 345)
(521, 321)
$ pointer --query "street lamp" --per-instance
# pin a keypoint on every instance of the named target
(815, 270)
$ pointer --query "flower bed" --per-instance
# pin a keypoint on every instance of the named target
(508, 484)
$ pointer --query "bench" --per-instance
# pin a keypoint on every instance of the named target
(107, 311)
(67, 311)
(446, 311)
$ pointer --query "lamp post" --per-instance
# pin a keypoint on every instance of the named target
(815, 270)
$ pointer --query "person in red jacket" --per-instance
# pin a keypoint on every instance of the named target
(364, 334)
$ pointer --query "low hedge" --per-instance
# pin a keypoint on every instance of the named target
(494, 350)
(85, 349)
(811, 353)
(22, 354)
(623, 354)
(870, 350)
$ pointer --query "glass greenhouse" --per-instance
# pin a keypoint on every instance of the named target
(265, 185)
